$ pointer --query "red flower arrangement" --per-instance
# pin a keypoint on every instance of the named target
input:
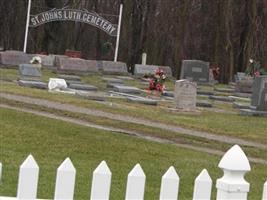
(157, 80)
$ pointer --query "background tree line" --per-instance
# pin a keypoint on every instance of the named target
(223, 32)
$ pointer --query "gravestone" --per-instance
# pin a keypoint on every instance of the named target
(112, 80)
(126, 89)
(80, 86)
(221, 98)
(70, 77)
(244, 85)
(30, 71)
(76, 65)
(257, 89)
(239, 76)
(47, 61)
(185, 95)
(142, 70)
(263, 100)
(195, 70)
(110, 67)
(14, 58)
(33, 84)
(57, 84)
(145, 101)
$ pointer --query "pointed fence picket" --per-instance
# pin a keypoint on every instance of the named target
(169, 185)
(135, 188)
(230, 186)
(28, 179)
(264, 196)
(203, 184)
(101, 182)
(65, 181)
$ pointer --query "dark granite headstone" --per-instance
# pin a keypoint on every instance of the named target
(257, 89)
(110, 67)
(30, 70)
(14, 58)
(195, 70)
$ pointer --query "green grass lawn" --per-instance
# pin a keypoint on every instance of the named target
(51, 141)
(246, 127)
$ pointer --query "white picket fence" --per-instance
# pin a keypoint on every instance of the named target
(231, 186)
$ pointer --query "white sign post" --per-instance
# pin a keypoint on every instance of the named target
(27, 26)
(118, 35)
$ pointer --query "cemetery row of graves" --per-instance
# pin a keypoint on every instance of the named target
(104, 93)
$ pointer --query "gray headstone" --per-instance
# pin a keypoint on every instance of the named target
(205, 93)
(48, 61)
(69, 77)
(263, 99)
(85, 87)
(195, 70)
(76, 65)
(244, 85)
(33, 84)
(185, 95)
(112, 80)
(224, 90)
(141, 70)
(91, 96)
(257, 90)
(221, 98)
(126, 89)
(110, 67)
(203, 103)
(251, 112)
(239, 76)
(30, 70)
(145, 101)
(168, 94)
(241, 105)
(13, 58)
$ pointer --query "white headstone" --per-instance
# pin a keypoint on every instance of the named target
(144, 55)
(185, 95)
(57, 84)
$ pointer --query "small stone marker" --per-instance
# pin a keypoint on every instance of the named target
(91, 96)
(69, 77)
(85, 87)
(221, 98)
(126, 89)
(13, 58)
(195, 70)
(224, 90)
(112, 80)
(185, 94)
(203, 103)
(145, 101)
(110, 67)
(30, 70)
(144, 55)
(33, 84)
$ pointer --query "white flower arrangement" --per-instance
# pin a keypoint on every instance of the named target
(36, 60)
